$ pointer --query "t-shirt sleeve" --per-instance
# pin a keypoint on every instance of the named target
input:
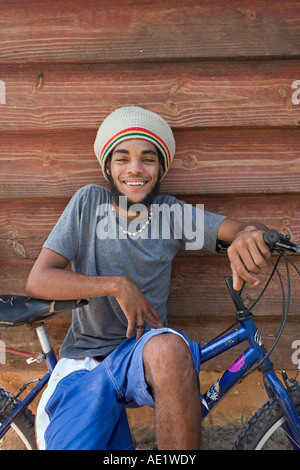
(64, 238)
(200, 228)
(212, 223)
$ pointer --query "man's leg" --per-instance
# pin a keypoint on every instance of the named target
(81, 410)
(171, 376)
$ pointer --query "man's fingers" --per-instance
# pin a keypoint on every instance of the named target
(241, 274)
(237, 281)
(258, 250)
(263, 248)
(153, 319)
(136, 322)
(139, 332)
(137, 309)
(248, 255)
(130, 328)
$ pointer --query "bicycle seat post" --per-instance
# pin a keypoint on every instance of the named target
(46, 345)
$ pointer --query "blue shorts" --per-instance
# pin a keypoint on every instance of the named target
(83, 407)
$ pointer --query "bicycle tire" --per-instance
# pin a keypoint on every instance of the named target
(21, 436)
(264, 430)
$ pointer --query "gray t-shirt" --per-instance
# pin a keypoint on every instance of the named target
(88, 234)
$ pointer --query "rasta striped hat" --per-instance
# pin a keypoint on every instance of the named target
(133, 122)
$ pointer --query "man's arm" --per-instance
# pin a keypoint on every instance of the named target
(50, 280)
(248, 253)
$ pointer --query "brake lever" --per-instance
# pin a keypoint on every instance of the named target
(285, 243)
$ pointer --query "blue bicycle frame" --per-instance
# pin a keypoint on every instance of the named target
(51, 361)
(254, 354)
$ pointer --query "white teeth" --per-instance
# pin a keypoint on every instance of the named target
(135, 183)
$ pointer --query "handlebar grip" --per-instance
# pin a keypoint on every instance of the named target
(271, 237)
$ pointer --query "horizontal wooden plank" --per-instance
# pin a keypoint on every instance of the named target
(213, 161)
(197, 287)
(26, 223)
(13, 276)
(192, 94)
(198, 329)
(52, 164)
(100, 31)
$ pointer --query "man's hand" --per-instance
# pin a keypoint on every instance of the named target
(50, 280)
(248, 254)
(136, 308)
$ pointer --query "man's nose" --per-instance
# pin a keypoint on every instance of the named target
(135, 166)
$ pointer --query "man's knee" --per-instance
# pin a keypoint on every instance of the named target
(167, 357)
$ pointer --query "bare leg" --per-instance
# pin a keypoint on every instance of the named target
(171, 376)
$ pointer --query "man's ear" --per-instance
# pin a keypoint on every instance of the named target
(108, 163)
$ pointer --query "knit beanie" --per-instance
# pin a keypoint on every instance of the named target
(133, 122)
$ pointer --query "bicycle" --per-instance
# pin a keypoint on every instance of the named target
(280, 413)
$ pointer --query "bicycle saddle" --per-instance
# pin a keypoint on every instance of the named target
(17, 310)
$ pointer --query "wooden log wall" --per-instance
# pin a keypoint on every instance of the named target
(221, 73)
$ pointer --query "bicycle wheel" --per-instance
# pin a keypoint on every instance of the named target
(21, 435)
(265, 430)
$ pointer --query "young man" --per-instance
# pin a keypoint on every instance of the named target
(118, 351)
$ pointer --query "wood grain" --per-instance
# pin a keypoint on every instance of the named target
(188, 95)
(213, 161)
(197, 287)
(118, 31)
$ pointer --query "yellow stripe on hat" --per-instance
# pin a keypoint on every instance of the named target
(136, 132)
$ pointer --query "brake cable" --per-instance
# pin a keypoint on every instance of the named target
(284, 314)
(285, 310)
(268, 282)
(257, 300)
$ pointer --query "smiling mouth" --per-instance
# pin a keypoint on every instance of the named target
(135, 183)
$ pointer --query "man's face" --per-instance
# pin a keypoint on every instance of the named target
(134, 170)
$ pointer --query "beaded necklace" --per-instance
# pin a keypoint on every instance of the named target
(126, 232)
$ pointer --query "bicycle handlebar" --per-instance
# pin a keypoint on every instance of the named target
(275, 241)
(279, 242)
(271, 237)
